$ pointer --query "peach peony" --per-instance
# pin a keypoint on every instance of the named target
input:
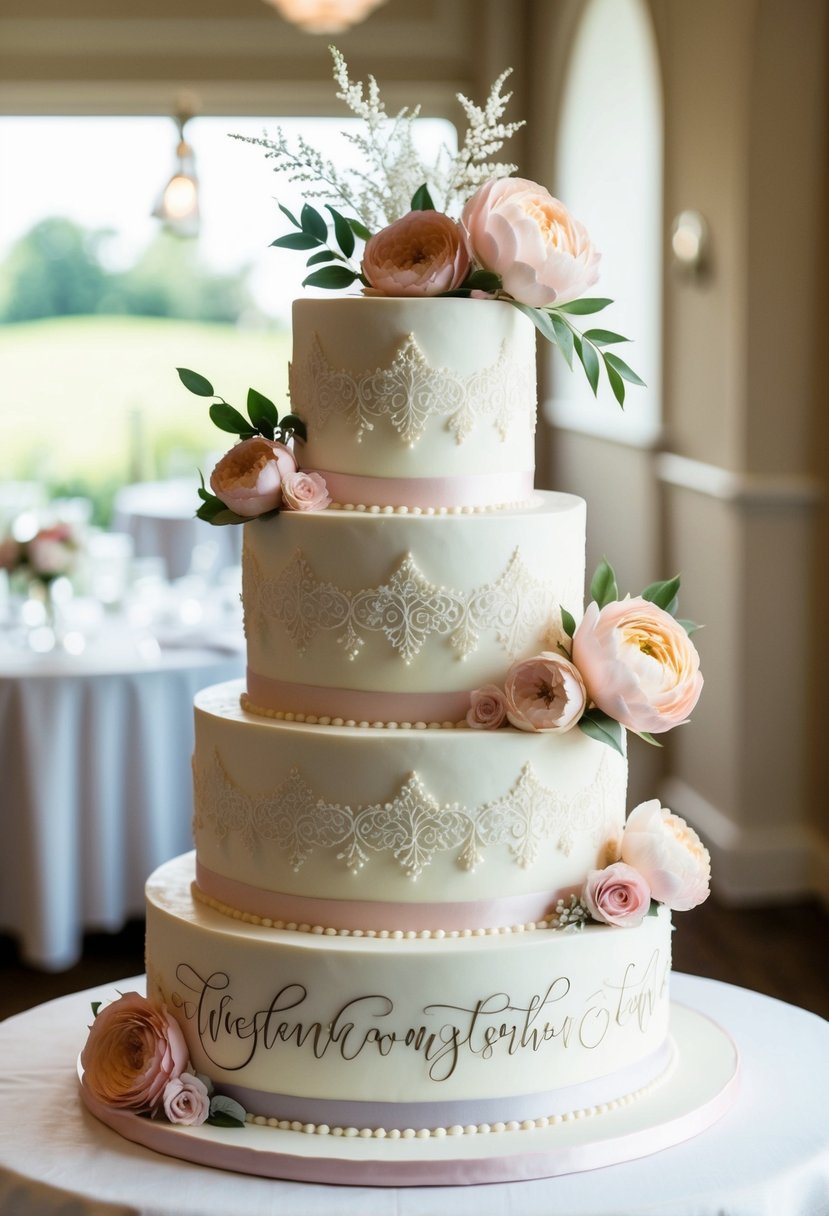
(617, 895)
(668, 854)
(186, 1100)
(422, 254)
(638, 664)
(134, 1048)
(248, 479)
(305, 492)
(487, 708)
(544, 693)
(516, 229)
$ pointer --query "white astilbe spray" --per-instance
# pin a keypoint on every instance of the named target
(391, 170)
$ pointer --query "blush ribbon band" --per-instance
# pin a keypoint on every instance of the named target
(375, 914)
(354, 704)
(469, 490)
(342, 1113)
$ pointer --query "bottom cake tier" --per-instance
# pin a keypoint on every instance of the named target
(407, 1035)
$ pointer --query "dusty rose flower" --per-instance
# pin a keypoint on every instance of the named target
(544, 693)
(52, 551)
(305, 492)
(668, 854)
(638, 664)
(516, 229)
(186, 1100)
(134, 1048)
(422, 254)
(487, 708)
(248, 478)
(617, 895)
(10, 553)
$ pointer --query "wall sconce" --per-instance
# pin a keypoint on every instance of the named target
(325, 16)
(178, 206)
(690, 243)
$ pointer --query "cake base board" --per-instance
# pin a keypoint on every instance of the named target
(698, 1091)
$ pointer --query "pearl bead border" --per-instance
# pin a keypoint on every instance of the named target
(470, 1129)
(282, 715)
(267, 922)
(375, 509)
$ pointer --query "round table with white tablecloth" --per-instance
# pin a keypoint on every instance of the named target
(160, 516)
(95, 783)
(767, 1156)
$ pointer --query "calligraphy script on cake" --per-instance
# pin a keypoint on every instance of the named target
(493, 1025)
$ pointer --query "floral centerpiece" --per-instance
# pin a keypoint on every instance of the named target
(51, 553)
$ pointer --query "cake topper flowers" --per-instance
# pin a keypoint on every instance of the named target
(462, 226)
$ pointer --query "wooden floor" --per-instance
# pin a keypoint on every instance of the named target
(782, 951)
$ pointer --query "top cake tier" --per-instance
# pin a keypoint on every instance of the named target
(416, 402)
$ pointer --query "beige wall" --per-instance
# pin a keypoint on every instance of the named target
(733, 491)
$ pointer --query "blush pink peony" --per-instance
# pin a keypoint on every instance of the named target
(134, 1048)
(638, 663)
(422, 254)
(186, 1100)
(668, 854)
(544, 693)
(617, 895)
(305, 492)
(487, 708)
(516, 229)
(248, 479)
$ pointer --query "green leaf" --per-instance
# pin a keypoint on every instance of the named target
(590, 363)
(580, 308)
(342, 231)
(225, 1112)
(568, 621)
(324, 255)
(599, 726)
(689, 626)
(289, 215)
(220, 515)
(564, 338)
(262, 412)
(616, 383)
(422, 199)
(293, 425)
(195, 383)
(296, 240)
(483, 280)
(603, 586)
(619, 365)
(359, 229)
(653, 909)
(648, 738)
(229, 419)
(96, 1006)
(540, 319)
(663, 594)
(313, 223)
(332, 277)
(603, 337)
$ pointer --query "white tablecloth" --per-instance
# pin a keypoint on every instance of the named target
(160, 517)
(769, 1156)
(95, 786)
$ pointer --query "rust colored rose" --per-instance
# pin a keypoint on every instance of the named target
(422, 254)
(134, 1048)
(248, 478)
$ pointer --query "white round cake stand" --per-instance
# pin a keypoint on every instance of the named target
(699, 1088)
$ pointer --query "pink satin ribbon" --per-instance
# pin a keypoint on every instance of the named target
(470, 490)
(376, 914)
(353, 704)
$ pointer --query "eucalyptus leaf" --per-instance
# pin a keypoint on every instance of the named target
(619, 365)
(590, 363)
(225, 1112)
(422, 199)
(568, 621)
(262, 412)
(604, 729)
(580, 308)
(195, 383)
(603, 337)
(226, 418)
(297, 240)
(359, 229)
(648, 738)
(342, 231)
(603, 586)
(289, 215)
(564, 338)
(663, 594)
(313, 223)
(616, 383)
(540, 319)
(332, 277)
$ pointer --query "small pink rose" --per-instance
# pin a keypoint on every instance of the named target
(617, 895)
(248, 478)
(668, 854)
(544, 693)
(422, 254)
(487, 708)
(186, 1100)
(134, 1048)
(516, 229)
(638, 663)
(305, 492)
